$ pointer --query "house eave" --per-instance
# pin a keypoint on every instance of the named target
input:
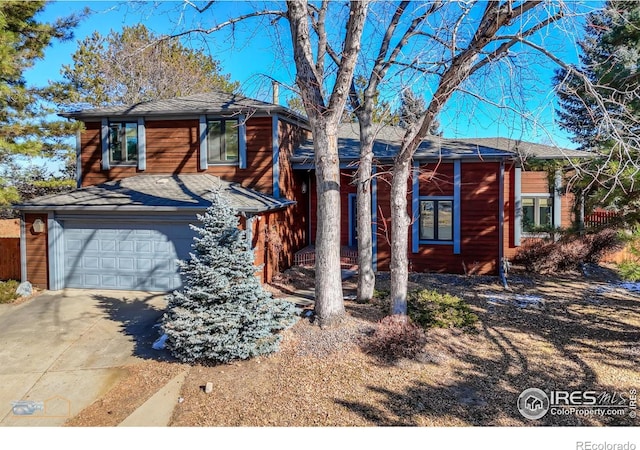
(143, 208)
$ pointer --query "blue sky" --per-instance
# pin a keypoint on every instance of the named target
(256, 52)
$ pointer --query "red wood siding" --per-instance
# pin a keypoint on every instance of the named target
(173, 147)
(292, 223)
(534, 182)
(531, 183)
(9, 258)
(37, 245)
(479, 221)
(436, 179)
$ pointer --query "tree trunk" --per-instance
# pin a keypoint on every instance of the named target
(329, 304)
(366, 275)
(400, 221)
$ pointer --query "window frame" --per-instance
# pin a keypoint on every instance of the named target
(536, 213)
(436, 200)
(223, 121)
(123, 124)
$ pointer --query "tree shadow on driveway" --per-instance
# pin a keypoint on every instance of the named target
(138, 315)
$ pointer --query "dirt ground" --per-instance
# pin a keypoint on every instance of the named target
(577, 332)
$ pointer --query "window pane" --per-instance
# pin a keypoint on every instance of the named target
(528, 214)
(123, 142)
(445, 220)
(214, 135)
(132, 141)
(427, 220)
(115, 144)
(231, 140)
(546, 213)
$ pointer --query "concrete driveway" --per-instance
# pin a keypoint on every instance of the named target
(63, 350)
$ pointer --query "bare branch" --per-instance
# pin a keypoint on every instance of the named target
(277, 13)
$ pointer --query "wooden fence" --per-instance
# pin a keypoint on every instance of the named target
(9, 259)
(599, 217)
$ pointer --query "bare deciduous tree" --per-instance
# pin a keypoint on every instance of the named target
(469, 40)
(324, 107)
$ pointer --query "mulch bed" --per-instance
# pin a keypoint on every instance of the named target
(582, 335)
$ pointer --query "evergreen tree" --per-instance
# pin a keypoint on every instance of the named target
(137, 65)
(604, 114)
(24, 126)
(412, 106)
(223, 313)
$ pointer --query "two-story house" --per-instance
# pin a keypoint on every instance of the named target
(144, 172)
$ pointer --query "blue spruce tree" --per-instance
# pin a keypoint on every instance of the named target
(223, 313)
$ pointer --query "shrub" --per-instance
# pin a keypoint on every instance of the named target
(629, 270)
(568, 253)
(396, 337)
(599, 244)
(429, 308)
(8, 291)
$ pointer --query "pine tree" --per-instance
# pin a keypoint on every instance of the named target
(25, 128)
(223, 313)
(604, 114)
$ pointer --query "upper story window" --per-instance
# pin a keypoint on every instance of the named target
(436, 220)
(123, 142)
(223, 141)
(537, 213)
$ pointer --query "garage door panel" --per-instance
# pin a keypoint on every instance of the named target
(108, 245)
(125, 256)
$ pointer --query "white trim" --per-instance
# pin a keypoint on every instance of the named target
(557, 199)
(142, 145)
(415, 208)
(78, 158)
(55, 240)
(203, 164)
(517, 207)
(104, 142)
(242, 142)
(457, 206)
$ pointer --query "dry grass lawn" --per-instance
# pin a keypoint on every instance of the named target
(584, 335)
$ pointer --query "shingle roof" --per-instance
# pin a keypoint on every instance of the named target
(156, 193)
(207, 103)
(388, 140)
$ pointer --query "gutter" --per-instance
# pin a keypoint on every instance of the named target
(142, 208)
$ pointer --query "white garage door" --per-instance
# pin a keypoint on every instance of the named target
(124, 256)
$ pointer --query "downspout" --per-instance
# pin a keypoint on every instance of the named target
(501, 271)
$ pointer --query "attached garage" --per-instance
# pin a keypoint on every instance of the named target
(126, 256)
(124, 235)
